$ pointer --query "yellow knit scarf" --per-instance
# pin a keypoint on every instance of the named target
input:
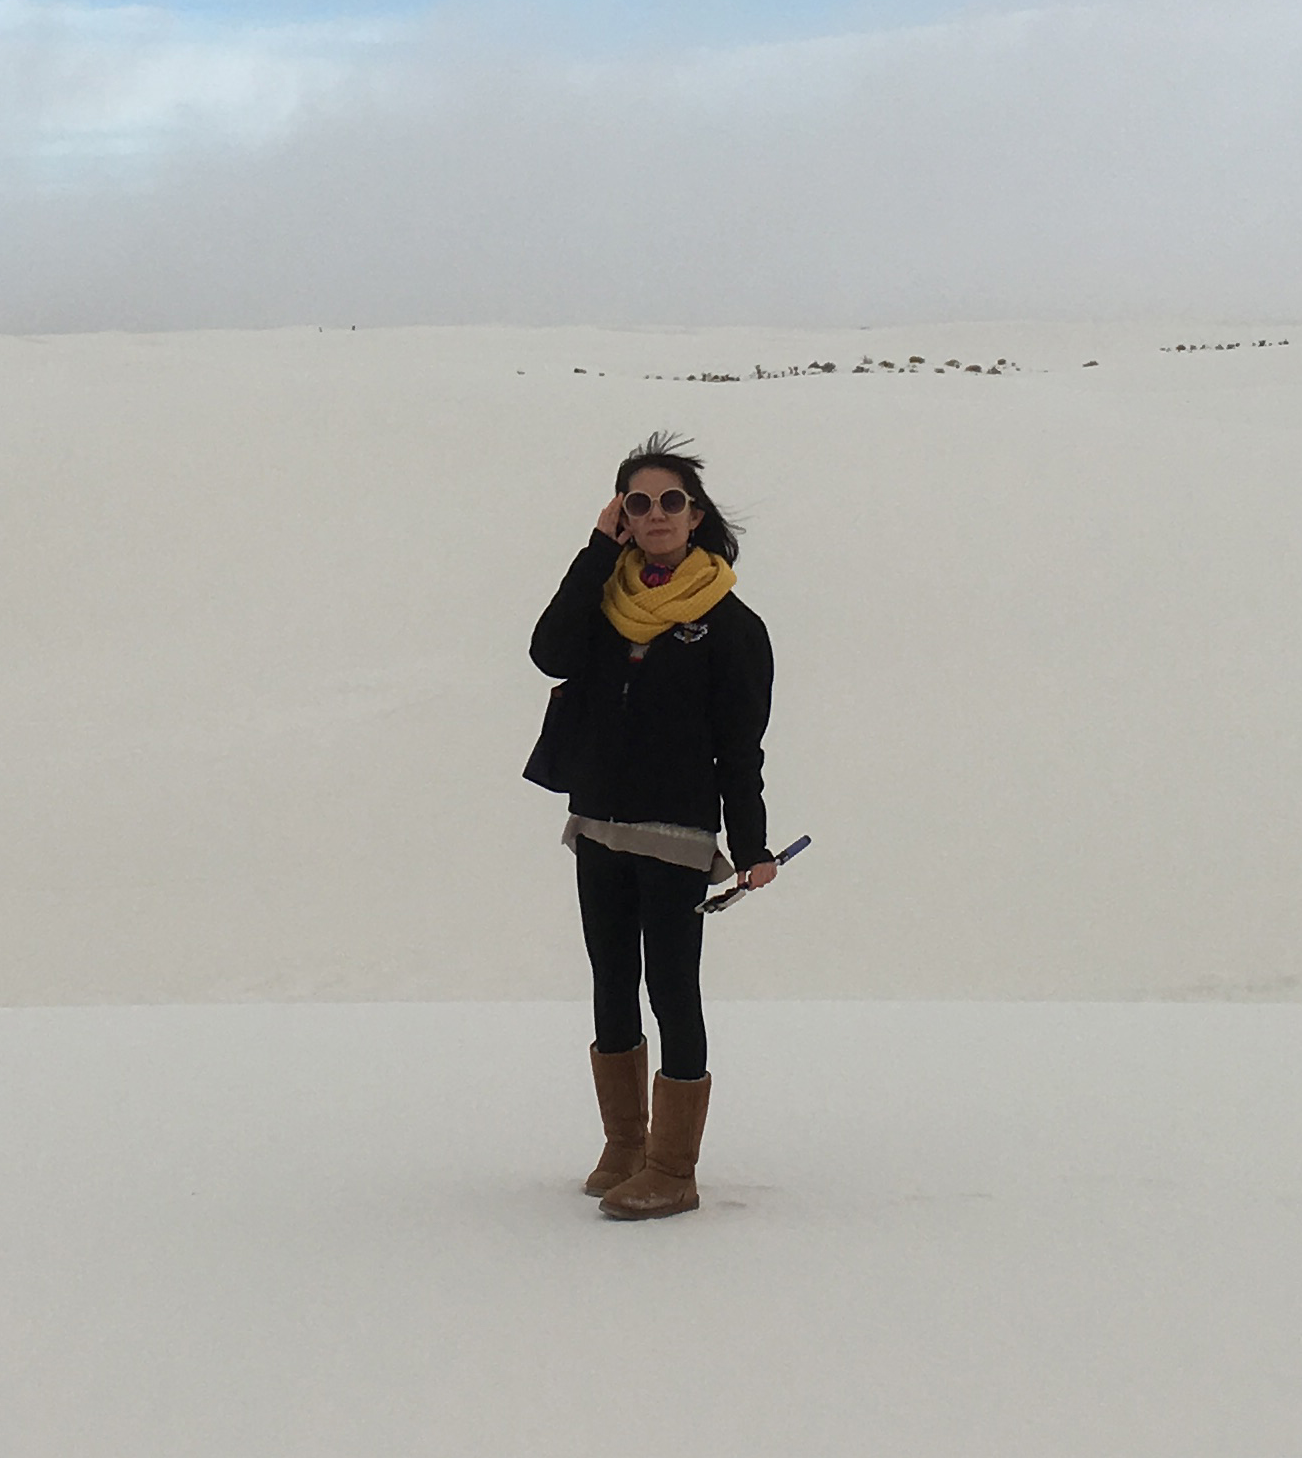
(641, 613)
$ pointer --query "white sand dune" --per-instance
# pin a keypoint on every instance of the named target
(947, 1231)
(266, 599)
(266, 697)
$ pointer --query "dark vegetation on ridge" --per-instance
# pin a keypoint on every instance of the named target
(866, 366)
(914, 364)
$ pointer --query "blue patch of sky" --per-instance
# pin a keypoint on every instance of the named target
(585, 27)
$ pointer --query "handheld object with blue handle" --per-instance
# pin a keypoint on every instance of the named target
(725, 899)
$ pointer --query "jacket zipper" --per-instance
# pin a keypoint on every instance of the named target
(623, 703)
(628, 678)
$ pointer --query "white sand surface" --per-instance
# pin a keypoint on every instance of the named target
(927, 1231)
(265, 600)
(264, 607)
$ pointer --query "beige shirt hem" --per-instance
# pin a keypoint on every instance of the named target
(679, 845)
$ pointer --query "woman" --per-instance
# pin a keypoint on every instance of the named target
(670, 681)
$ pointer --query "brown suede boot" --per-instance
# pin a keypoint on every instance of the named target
(667, 1186)
(622, 1097)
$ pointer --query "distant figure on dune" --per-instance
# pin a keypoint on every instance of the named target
(668, 682)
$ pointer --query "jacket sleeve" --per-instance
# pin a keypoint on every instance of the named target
(560, 640)
(741, 693)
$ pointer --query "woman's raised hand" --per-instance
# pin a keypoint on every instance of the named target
(608, 521)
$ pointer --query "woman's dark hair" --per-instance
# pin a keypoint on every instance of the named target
(663, 450)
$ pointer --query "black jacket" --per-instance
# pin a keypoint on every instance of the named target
(666, 738)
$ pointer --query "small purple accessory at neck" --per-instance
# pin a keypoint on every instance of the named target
(655, 574)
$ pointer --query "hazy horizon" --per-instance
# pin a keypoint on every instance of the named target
(833, 165)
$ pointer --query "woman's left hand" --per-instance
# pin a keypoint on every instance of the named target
(759, 875)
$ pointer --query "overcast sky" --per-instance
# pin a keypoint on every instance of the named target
(692, 161)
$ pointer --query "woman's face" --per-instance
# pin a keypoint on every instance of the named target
(663, 538)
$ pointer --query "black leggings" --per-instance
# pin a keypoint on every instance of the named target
(627, 901)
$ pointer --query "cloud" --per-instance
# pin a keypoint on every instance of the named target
(77, 80)
(1057, 160)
